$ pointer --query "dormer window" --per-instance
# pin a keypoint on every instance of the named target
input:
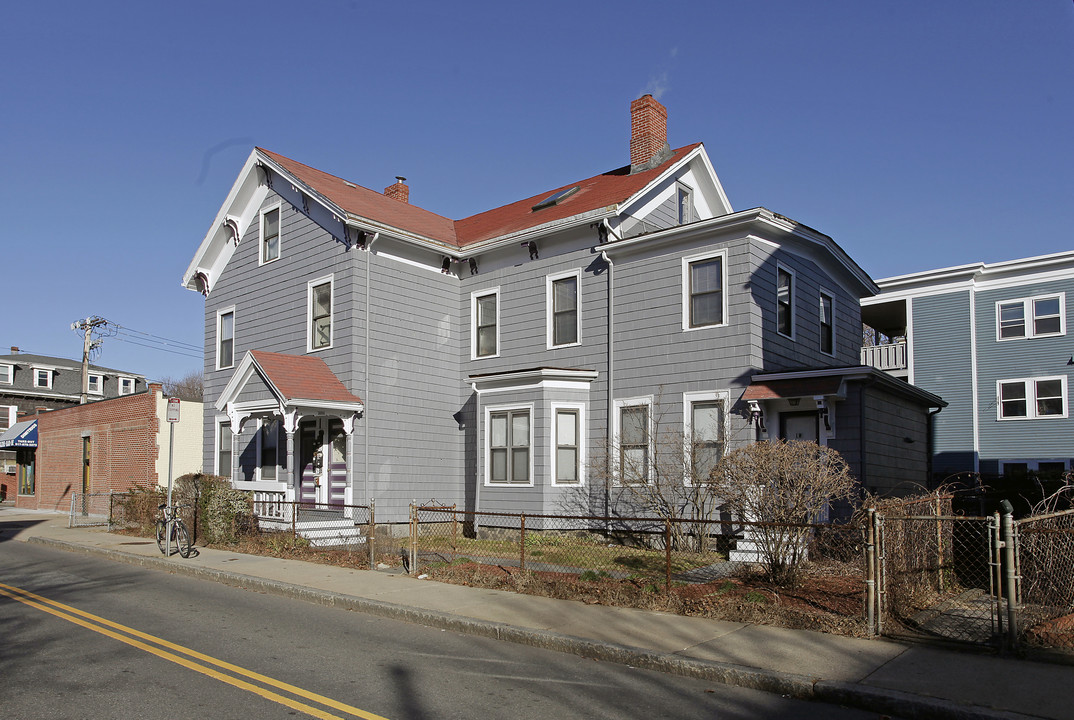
(126, 386)
(43, 378)
(95, 384)
(7, 374)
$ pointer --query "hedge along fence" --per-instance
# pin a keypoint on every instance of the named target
(215, 512)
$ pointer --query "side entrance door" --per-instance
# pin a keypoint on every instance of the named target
(323, 458)
(800, 426)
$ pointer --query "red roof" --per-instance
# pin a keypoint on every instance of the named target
(302, 377)
(792, 388)
(595, 193)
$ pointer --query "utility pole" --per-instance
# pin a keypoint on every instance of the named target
(87, 328)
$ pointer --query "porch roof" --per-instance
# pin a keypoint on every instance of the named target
(793, 388)
(294, 380)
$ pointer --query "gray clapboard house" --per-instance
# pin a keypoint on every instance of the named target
(992, 339)
(359, 347)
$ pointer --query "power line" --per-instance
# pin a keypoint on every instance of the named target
(173, 351)
(164, 340)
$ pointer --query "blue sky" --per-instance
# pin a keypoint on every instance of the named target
(918, 134)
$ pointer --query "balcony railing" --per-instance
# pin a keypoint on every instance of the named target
(885, 357)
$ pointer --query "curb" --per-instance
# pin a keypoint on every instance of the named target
(894, 702)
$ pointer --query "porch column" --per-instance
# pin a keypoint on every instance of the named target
(290, 426)
(236, 428)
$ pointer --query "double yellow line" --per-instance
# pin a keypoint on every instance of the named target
(194, 660)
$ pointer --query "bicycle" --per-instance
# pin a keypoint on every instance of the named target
(169, 523)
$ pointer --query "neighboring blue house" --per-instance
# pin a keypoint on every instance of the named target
(992, 340)
(359, 347)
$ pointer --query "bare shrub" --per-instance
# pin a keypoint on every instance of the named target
(784, 487)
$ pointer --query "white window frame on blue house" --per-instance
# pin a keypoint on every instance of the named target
(262, 250)
(820, 322)
(550, 305)
(687, 287)
(220, 314)
(311, 288)
(578, 410)
(474, 298)
(1031, 398)
(1030, 317)
(689, 399)
(622, 405)
(510, 411)
(792, 290)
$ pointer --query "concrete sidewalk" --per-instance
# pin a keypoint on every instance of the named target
(891, 678)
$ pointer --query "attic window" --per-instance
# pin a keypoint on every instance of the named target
(555, 198)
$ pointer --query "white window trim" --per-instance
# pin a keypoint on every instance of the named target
(1029, 317)
(681, 187)
(49, 372)
(554, 443)
(1031, 398)
(794, 292)
(688, 400)
(12, 412)
(280, 471)
(489, 410)
(219, 317)
(220, 421)
(261, 234)
(550, 280)
(1032, 465)
(134, 384)
(647, 402)
(100, 384)
(685, 282)
(331, 312)
(473, 322)
(835, 334)
(10, 374)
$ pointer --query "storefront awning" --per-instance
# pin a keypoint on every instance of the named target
(20, 435)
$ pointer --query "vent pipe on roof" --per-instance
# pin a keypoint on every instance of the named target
(399, 190)
(648, 134)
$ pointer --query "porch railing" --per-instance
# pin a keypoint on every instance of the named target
(891, 356)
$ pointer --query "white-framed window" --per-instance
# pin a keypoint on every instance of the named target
(319, 336)
(633, 441)
(568, 449)
(704, 296)
(223, 449)
(1051, 469)
(8, 413)
(508, 442)
(827, 323)
(7, 374)
(270, 234)
(225, 338)
(485, 323)
(126, 386)
(1032, 317)
(785, 301)
(684, 203)
(1032, 398)
(43, 378)
(704, 431)
(268, 449)
(95, 384)
(564, 319)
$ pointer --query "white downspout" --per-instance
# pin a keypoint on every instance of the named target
(611, 378)
(365, 412)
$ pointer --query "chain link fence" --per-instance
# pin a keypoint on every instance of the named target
(90, 509)
(1045, 561)
(330, 529)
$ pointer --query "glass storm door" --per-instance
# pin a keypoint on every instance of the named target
(323, 454)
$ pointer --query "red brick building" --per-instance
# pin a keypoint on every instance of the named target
(115, 444)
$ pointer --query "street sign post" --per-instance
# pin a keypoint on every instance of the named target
(172, 418)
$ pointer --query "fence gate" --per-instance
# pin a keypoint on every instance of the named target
(90, 509)
(939, 577)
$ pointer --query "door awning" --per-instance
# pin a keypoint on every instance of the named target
(20, 435)
(793, 388)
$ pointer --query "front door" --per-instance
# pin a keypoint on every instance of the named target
(800, 426)
(323, 458)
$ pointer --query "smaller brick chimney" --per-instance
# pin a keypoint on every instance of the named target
(14, 350)
(399, 190)
(648, 134)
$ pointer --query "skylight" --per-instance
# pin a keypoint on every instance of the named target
(555, 198)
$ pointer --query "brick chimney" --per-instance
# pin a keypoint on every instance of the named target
(648, 134)
(14, 350)
(399, 190)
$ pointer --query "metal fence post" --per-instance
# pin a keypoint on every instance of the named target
(996, 579)
(1012, 578)
(413, 539)
(372, 534)
(522, 542)
(870, 572)
(71, 517)
(667, 555)
(454, 532)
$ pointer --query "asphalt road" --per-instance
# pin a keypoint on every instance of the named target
(82, 637)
